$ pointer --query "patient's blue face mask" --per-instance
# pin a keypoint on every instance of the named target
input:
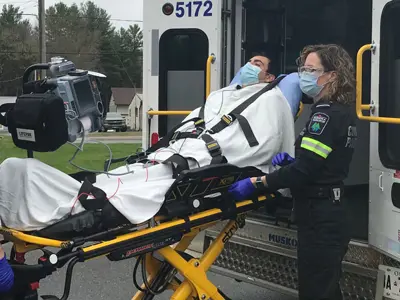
(309, 84)
(249, 74)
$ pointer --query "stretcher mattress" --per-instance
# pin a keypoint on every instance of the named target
(34, 195)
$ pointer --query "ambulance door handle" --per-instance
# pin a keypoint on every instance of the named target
(380, 181)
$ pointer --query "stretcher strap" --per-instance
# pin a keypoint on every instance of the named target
(183, 135)
(248, 132)
(214, 149)
(81, 176)
(228, 119)
(100, 197)
(178, 164)
(164, 142)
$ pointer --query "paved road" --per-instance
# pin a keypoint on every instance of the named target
(100, 279)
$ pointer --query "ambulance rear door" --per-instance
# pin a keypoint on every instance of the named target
(384, 194)
(179, 37)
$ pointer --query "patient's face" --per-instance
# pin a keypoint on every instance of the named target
(263, 63)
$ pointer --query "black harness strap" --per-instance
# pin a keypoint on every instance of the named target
(183, 135)
(178, 163)
(100, 197)
(214, 149)
(235, 114)
(83, 175)
(164, 142)
(201, 113)
(248, 132)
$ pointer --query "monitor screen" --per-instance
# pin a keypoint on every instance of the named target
(86, 100)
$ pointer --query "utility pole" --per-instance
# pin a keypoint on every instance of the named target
(42, 35)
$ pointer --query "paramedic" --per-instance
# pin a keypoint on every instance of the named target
(6, 273)
(315, 176)
(259, 61)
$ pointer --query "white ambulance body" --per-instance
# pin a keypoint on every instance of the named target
(194, 47)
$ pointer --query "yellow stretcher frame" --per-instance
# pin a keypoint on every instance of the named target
(196, 283)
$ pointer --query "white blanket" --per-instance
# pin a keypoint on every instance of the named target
(34, 195)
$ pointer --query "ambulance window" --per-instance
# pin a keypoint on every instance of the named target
(183, 57)
(389, 85)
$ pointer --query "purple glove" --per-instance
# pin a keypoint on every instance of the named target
(242, 189)
(6, 276)
(282, 159)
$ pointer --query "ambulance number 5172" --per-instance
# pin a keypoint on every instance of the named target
(192, 8)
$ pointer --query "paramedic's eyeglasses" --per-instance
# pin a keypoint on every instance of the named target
(310, 70)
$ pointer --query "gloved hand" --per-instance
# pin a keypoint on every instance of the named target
(282, 159)
(242, 189)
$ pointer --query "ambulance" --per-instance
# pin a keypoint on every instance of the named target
(193, 47)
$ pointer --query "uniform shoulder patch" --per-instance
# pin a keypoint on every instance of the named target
(318, 123)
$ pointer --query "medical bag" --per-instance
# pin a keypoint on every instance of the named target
(37, 122)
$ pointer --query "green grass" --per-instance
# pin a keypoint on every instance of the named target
(92, 157)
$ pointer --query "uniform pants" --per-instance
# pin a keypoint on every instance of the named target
(323, 238)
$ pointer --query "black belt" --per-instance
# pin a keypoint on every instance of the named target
(331, 192)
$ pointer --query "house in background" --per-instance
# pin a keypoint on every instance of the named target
(135, 111)
(121, 99)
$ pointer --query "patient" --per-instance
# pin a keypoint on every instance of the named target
(261, 62)
(34, 195)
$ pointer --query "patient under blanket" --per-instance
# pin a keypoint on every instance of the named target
(34, 195)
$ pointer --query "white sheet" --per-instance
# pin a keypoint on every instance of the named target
(34, 195)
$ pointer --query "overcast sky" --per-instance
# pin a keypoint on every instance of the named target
(123, 12)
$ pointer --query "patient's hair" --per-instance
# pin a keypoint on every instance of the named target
(335, 58)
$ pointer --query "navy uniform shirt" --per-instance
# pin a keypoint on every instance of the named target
(323, 149)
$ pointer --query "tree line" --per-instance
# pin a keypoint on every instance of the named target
(83, 34)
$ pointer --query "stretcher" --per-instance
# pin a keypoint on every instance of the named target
(197, 199)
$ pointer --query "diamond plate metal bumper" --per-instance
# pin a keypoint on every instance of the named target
(265, 255)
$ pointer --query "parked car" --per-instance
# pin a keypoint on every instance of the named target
(114, 121)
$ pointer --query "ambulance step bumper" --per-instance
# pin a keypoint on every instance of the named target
(265, 255)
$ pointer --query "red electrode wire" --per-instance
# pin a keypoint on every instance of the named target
(86, 194)
(153, 162)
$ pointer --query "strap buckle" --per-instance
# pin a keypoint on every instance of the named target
(214, 148)
(228, 119)
(199, 122)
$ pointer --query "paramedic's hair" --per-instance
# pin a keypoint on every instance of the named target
(335, 58)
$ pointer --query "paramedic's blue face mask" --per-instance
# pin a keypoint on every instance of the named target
(249, 74)
(309, 84)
